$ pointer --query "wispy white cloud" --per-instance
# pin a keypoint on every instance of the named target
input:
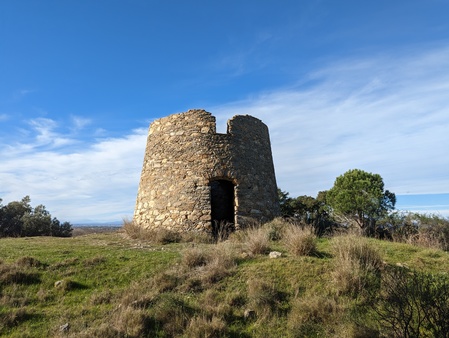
(98, 182)
(386, 114)
(21, 93)
(4, 117)
(80, 122)
(46, 134)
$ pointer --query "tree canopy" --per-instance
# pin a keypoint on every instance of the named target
(20, 219)
(360, 195)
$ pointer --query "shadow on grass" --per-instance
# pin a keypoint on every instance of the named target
(322, 255)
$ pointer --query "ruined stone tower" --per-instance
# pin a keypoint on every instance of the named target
(194, 178)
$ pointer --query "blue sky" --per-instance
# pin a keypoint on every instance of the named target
(340, 84)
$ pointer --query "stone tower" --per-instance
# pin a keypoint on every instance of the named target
(194, 178)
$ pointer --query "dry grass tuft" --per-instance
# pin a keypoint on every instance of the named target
(213, 304)
(94, 261)
(263, 297)
(103, 297)
(300, 241)
(160, 236)
(425, 240)
(13, 318)
(312, 315)
(197, 237)
(219, 265)
(205, 266)
(255, 240)
(12, 274)
(171, 313)
(203, 327)
(131, 322)
(357, 263)
(276, 228)
(194, 257)
(166, 281)
(28, 262)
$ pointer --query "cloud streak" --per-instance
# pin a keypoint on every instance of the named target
(384, 114)
(97, 183)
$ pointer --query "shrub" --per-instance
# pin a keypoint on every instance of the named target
(357, 264)
(431, 231)
(412, 304)
(276, 228)
(300, 241)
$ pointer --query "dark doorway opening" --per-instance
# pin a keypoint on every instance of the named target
(222, 206)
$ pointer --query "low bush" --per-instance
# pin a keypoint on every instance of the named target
(414, 304)
(276, 228)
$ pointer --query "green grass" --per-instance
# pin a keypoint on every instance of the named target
(114, 286)
(96, 267)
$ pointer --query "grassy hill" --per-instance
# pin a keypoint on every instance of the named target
(110, 285)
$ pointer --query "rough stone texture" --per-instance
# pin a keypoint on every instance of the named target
(193, 178)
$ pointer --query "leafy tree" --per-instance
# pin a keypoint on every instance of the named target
(308, 210)
(360, 195)
(12, 215)
(19, 219)
(59, 229)
(285, 203)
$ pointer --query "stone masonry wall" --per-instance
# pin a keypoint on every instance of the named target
(184, 155)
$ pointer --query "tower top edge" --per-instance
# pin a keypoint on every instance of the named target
(201, 114)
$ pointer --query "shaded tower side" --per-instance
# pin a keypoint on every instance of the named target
(257, 188)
